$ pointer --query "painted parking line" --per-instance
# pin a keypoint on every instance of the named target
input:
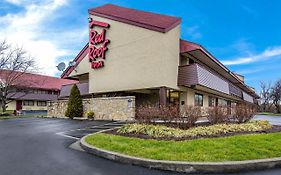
(80, 132)
(64, 135)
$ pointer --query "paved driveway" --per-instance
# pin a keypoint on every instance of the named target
(274, 120)
(31, 146)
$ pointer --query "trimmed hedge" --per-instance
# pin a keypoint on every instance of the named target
(159, 131)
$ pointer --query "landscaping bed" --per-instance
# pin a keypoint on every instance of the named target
(169, 135)
(160, 132)
(233, 148)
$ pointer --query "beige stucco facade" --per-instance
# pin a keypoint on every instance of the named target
(35, 107)
(137, 58)
(11, 105)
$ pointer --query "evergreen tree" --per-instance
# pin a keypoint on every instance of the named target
(75, 105)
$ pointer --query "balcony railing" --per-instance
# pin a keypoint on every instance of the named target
(194, 74)
(235, 90)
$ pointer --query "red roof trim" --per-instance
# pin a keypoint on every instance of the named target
(77, 60)
(186, 46)
(151, 21)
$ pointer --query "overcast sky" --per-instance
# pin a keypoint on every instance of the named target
(244, 35)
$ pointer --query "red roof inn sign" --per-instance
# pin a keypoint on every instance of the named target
(97, 44)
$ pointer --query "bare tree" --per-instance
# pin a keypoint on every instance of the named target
(3, 58)
(14, 64)
(276, 95)
(265, 95)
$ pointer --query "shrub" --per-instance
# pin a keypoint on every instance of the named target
(90, 114)
(147, 113)
(217, 114)
(74, 105)
(243, 113)
(189, 115)
(160, 131)
(169, 113)
(151, 113)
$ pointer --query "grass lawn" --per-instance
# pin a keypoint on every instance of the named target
(233, 148)
(7, 111)
(269, 113)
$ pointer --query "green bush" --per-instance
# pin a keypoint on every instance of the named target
(90, 114)
(75, 104)
(164, 131)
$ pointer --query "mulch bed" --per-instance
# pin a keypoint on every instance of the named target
(274, 128)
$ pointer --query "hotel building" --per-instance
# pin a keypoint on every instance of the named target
(30, 92)
(141, 54)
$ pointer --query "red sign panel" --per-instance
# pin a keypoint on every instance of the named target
(97, 44)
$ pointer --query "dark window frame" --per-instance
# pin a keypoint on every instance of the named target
(198, 99)
(212, 101)
(28, 103)
(41, 103)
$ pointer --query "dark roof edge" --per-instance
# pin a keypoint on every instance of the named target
(77, 59)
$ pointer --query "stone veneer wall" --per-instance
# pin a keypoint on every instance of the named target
(105, 108)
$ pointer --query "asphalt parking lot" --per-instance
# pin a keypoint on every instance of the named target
(274, 120)
(33, 146)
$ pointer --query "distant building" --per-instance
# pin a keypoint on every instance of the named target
(32, 91)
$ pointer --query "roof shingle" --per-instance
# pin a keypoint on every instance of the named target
(37, 81)
(148, 20)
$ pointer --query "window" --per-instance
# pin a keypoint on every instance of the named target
(222, 102)
(41, 103)
(42, 92)
(228, 103)
(173, 97)
(228, 107)
(212, 101)
(198, 99)
(37, 91)
(28, 103)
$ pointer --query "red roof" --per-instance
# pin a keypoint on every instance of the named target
(152, 21)
(186, 46)
(36, 81)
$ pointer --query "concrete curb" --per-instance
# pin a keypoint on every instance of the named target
(181, 166)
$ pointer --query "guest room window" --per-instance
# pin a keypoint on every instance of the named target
(212, 101)
(41, 103)
(198, 99)
(28, 103)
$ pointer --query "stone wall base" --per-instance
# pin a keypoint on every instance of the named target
(105, 108)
